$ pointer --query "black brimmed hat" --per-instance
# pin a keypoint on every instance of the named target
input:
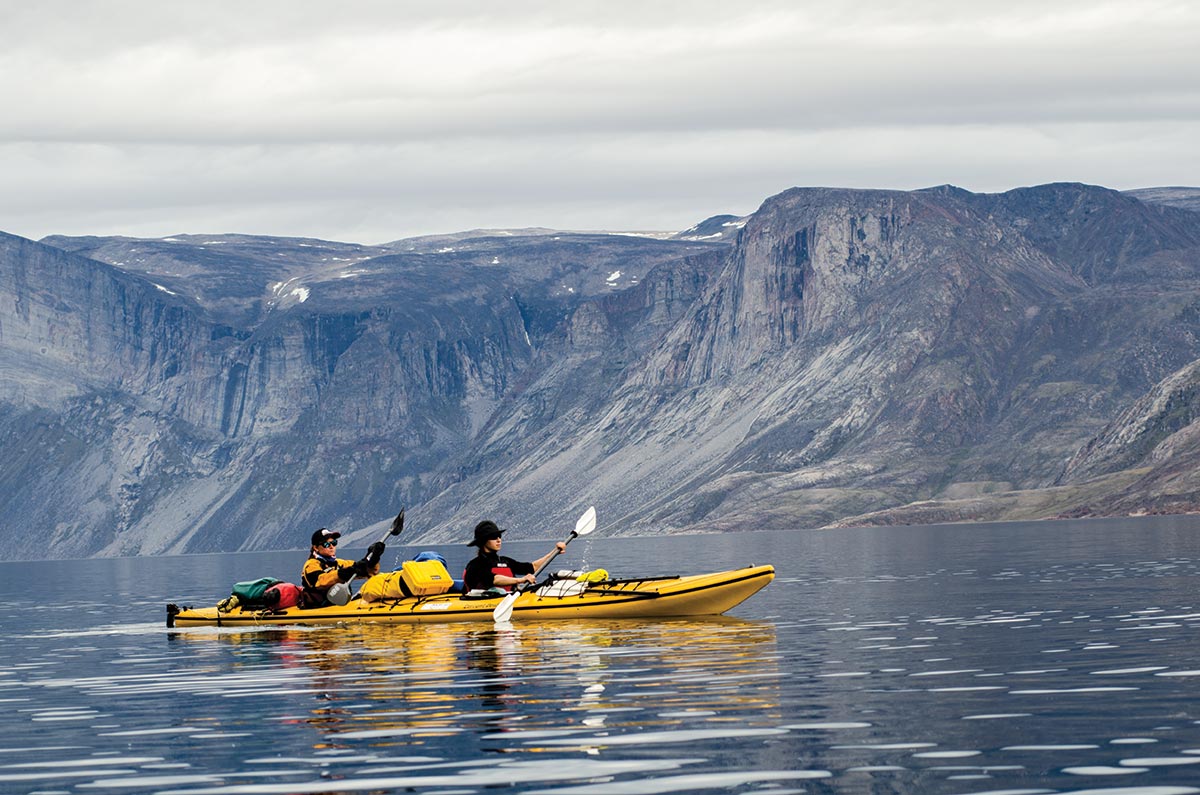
(485, 531)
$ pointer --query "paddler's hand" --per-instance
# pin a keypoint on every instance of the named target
(561, 547)
(529, 578)
(375, 552)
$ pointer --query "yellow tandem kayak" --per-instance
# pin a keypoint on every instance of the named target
(647, 597)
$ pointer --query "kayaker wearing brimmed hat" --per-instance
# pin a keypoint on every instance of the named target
(490, 569)
(326, 578)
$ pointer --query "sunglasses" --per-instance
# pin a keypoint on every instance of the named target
(331, 543)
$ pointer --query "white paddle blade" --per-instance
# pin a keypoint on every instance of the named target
(587, 522)
(503, 611)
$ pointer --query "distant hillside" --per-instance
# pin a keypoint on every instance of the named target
(719, 227)
(1184, 198)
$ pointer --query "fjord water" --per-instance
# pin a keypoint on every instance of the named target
(1024, 657)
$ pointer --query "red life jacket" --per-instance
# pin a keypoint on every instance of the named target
(506, 571)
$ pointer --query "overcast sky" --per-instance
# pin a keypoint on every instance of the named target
(371, 121)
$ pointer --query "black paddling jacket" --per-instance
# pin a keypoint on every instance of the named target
(481, 572)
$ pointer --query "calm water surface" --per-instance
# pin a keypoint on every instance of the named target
(1042, 657)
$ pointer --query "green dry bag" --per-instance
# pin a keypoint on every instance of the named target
(251, 591)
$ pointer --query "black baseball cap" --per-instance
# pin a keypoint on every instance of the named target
(319, 537)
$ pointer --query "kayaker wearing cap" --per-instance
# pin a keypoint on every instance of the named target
(490, 569)
(326, 578)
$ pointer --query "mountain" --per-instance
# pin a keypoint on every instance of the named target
(836, 357)
(202, 393)
(866, 351)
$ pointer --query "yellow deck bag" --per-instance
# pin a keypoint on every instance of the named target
(385, 585)
(426, 577)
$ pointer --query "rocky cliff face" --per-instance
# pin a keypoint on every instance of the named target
(206, 393)
(863, 350)
(838, 356)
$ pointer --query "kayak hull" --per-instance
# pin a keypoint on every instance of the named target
(652, 597)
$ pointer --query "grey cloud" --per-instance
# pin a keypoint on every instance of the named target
(412, 80)
(371, 120)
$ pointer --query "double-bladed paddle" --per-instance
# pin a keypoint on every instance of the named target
(397, 526)
(504, 610)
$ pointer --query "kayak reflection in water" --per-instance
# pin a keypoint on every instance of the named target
(490, 569)
(326, 578)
